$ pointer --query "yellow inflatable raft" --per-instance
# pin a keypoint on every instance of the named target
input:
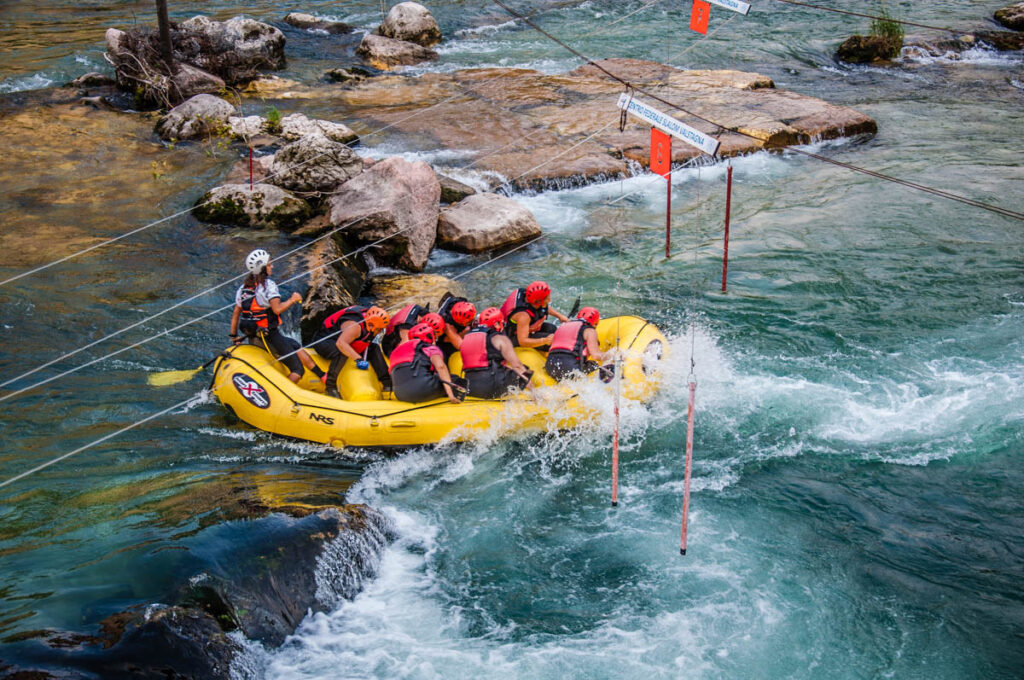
(255, 387)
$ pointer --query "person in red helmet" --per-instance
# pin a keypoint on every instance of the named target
(488, 359)
(526, 311)
(397, 331)
(574, 346)
(348, 334)
(458, 314)
(418, 370)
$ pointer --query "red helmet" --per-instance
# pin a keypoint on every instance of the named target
(422, 332)
(492, 318)
(589, 315)
(434, 320)
(538, 291)
(463, 313)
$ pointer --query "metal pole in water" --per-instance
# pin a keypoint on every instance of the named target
(689, 461)
(668, 217)
(728, 205)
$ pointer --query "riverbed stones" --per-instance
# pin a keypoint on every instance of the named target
(394, 199)
(386, 53)
(263, 206)
(411, 22)
(1011, 16)
(204, 115)
(484, 222)
(314, 164)
(313, 23)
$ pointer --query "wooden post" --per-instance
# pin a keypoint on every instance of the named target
(165, 35)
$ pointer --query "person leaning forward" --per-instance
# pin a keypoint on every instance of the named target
(526, 311)
(348, 334)
(489, 361)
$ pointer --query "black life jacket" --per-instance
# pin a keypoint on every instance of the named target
(410, 353)
(569, 338)
(354, 313)
(255, 318)
(478, 351)
(515, 303)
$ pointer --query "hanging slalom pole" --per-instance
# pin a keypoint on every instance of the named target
(689, 461)
(615, 437)
(250, 168)
(661, 164)
(728, 205)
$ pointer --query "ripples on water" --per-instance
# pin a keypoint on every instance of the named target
(856, 487)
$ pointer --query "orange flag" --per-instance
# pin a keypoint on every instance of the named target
(699, 16)
(661, 153)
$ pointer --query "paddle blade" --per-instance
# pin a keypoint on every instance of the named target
(165, 378)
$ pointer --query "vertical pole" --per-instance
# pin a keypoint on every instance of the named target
(250, 168)
(668, 217)
(728, 205)
(689, 461)
(615, 441)
(164, 25)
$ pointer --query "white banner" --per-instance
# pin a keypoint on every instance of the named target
(669, 125)
(734, 5)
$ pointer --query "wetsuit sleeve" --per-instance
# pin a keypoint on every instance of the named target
(271, 291)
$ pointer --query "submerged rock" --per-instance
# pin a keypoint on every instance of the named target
(386, 53)
(310, 22)
(398, 290)
(1011, 16)
(392, 198)
(262, 206)
(411, 22)
(201, 116)
(865, 49)
(314, 164)
(953, 48)
(485, 222)
(351, 74)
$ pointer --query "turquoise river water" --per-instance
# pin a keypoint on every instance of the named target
(857, 480)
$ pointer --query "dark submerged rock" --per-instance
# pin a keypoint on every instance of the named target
(1011, 16)
(866, 49)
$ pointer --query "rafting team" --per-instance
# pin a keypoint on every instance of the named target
(418, 342)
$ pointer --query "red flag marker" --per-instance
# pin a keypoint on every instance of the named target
(699, 16)
(661, 153)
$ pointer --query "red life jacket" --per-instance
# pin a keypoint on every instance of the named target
(477, 349)
(569, 338)
(411, 352)
(355, 314)
(253, 313)
(408, 315)
(515, 303)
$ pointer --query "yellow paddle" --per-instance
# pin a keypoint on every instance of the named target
(165, 378)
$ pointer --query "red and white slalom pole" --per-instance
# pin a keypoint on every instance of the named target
(615, 437)
(728, 205)
(689, 462)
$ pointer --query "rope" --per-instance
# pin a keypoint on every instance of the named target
(938, 192)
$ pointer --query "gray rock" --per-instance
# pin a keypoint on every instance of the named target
(1011, 16)
(236, 49)
(314, 164)
(385, 53)
(452, 190)
(262, 206)
(352, 74)
(334, 281)
(411, 22)
(393, 198)
(201, 116)
(297, 125)
(484, 222)
(310, 22)
(92, 79)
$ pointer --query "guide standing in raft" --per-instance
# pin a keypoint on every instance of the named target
(257, 314)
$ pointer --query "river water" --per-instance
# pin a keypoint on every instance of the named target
(856, 508)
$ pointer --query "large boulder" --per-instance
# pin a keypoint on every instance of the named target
(259, 206)
(139, 69)
(386, 53)
(335, 281)
(314, 164)
(394, 199)
(201, 116)
(236, 49)
(483, 222)
(312, 23)
(411, 22)
(394, 291)
(1011, 16)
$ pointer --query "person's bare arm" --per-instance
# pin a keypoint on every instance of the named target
(558, 315)
(279, 307)
(348, 335)
(451, 336)
(522, 320)
(593, 347)
(234, 324)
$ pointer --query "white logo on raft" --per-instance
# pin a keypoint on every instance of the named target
(251, 390)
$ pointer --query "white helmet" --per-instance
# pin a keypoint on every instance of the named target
(257, 260)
